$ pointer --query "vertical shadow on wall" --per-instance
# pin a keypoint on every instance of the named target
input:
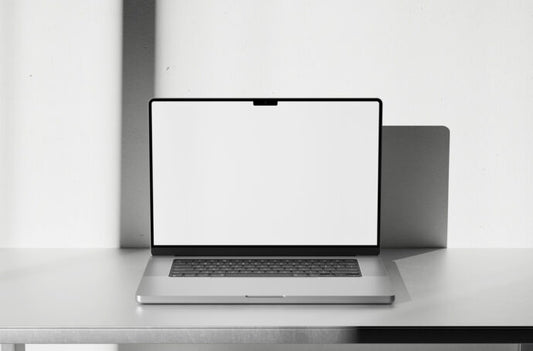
(137, 88)
(414, 186)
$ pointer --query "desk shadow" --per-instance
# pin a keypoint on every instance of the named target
(390, 259)
(138, 62)
(401, 294)
(414, 186)
(315, 347)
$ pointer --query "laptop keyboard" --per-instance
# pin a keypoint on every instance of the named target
(270, 267)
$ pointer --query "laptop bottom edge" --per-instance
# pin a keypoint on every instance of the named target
(266, 300)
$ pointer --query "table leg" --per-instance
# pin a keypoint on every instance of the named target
(525, 347)
(13, 347)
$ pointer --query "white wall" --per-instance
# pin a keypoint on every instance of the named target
(467, 65)
(464, 64)
(60, 123)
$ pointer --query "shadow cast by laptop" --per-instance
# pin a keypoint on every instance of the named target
(414, 186)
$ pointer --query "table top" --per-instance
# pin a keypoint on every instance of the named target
(442, 295)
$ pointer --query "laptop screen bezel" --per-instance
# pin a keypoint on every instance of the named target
(265, 250)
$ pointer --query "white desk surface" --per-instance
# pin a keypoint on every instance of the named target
(88, 296)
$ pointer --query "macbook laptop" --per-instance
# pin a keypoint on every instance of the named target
(265, 201)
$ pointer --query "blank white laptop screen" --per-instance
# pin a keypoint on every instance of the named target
(231, 173)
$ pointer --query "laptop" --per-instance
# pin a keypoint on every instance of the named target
(265, 201)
